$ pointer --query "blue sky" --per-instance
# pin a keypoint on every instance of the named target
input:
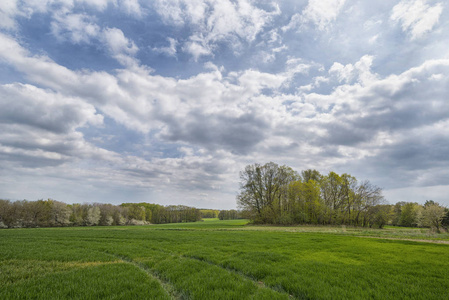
(166, 101)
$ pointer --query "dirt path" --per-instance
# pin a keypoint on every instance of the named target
(405, 239)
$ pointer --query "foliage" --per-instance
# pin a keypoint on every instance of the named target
(432, 215)
(278, 195)
(209, 213)
(51, 213)
(445, 220)
(229, 214)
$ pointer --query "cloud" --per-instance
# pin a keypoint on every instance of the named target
(361, 71)
(28, 105)
(321, 13)
(232, 113)
(394, 126)
(78, 28)
(416, 16)
(82, 29)
(8, 12)
(132, 7)
(319, 97)
(39, 127)
(120, 46)
(144, 102)
(197, 47)
(214, 22)
(170, 50)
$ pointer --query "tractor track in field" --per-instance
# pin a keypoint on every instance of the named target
(175, 294)
(168, 288)
(406, 239)
(258, 283)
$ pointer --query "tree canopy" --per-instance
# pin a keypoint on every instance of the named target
(279, 195)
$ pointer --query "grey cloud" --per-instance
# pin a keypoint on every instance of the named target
(38, 127)
(236, 134)
(419, 152)
(345, 134)
(28, 105)
(31, 160)
(416, 158)
(400, 103)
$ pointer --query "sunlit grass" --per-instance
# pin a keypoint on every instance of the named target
(221, 260)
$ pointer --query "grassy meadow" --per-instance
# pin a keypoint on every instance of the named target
(223, 260)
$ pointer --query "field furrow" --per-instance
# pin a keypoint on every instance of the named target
(258, 283)
(168, 288)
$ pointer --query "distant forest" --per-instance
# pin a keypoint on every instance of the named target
(273, 194)
(52, 213)
(269, 194)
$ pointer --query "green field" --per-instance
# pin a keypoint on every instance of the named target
(222, 260)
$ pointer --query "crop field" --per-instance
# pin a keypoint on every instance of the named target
(222, 260)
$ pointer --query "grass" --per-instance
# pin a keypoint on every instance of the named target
(221, 260)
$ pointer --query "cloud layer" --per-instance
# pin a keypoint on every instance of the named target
(115, 101)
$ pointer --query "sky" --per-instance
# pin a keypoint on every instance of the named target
(166, 101)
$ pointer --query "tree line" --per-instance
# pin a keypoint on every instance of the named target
(52, 213)
(273, 194)
(209, 213)
(412, 214)
(231, 214)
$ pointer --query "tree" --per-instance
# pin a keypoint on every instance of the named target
(209, 213)
(445, 220)
(432, 215)
(311, 175)
(6, 218)
(263, 190)
(59, 214)
(409, 214)
(331, 190)
(366, 196)
(93, 216)
(229, 214)
(379, 215)
(137, 212)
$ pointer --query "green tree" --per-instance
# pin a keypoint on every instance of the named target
(445, 220)
(409, 214)
(332, 193)
(379, 215)
(263, 191)
(432, 215)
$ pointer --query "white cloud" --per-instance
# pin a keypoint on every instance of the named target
(98, 4)
(215, 121)
(120, 46)
(132, 7)
(78, 28)
(197, 47)
(212, 22)
(319, 12)
(343, 73)
(82, 29)
(361, 71)
(8, 12)
(416, 16)
(322, 12)
(170, 50)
